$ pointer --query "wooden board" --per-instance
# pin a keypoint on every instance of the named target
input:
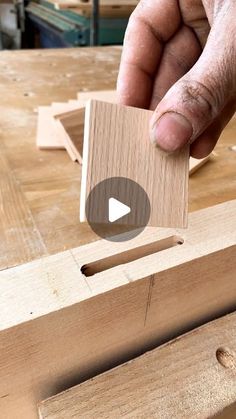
(193, 376)
(51, 135)
(51, 313)
(103, 95)
(116, 144)
(45, 137)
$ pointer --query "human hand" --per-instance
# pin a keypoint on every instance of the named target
(179, 59)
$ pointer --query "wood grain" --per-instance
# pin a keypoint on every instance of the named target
(192, 376)
(116, 144)
(48, 181)
(51, 313)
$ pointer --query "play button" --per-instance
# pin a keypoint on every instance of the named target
(117, 209)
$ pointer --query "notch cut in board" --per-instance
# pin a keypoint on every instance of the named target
(116, 144)
(192, 376)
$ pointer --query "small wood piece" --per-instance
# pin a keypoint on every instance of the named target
(195, 164)
(45, 137)
(141, 293)
(116, 144)
(72, 124)
(193, 376)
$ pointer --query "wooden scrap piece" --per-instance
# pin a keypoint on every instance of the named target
(45, 136)
(193, 376)
(116, 144)
(195, 164)
(53, 313)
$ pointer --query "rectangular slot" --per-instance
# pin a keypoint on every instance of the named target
(130, 255)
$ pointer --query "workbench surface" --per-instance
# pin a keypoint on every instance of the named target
(39, 207)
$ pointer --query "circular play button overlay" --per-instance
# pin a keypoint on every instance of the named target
(117, 209)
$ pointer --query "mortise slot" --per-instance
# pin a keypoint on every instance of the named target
(130, 255)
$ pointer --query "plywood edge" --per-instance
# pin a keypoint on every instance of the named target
(196, 374)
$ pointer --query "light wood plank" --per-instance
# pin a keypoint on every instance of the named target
(54, 313)
(193, 376)
(116, 143)
(45, 137)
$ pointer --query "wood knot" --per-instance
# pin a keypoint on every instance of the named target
(226, 357)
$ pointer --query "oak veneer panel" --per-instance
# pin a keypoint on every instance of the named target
(58, 327)
(193, 376)
(63, 113)
(116, 143)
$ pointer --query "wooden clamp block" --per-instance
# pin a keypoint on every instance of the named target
(192, 376)
(68, 316)
(116, 144)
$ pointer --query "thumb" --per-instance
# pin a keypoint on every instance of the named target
(198, 98)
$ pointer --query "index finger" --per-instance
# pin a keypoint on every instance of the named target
(150, 26)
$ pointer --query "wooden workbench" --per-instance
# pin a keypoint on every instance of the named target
(40, 190)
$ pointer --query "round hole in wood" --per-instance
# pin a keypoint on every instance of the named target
(226, 357)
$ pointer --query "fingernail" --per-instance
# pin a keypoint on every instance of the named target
(171, 132)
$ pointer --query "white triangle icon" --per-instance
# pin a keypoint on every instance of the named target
(117, 210)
